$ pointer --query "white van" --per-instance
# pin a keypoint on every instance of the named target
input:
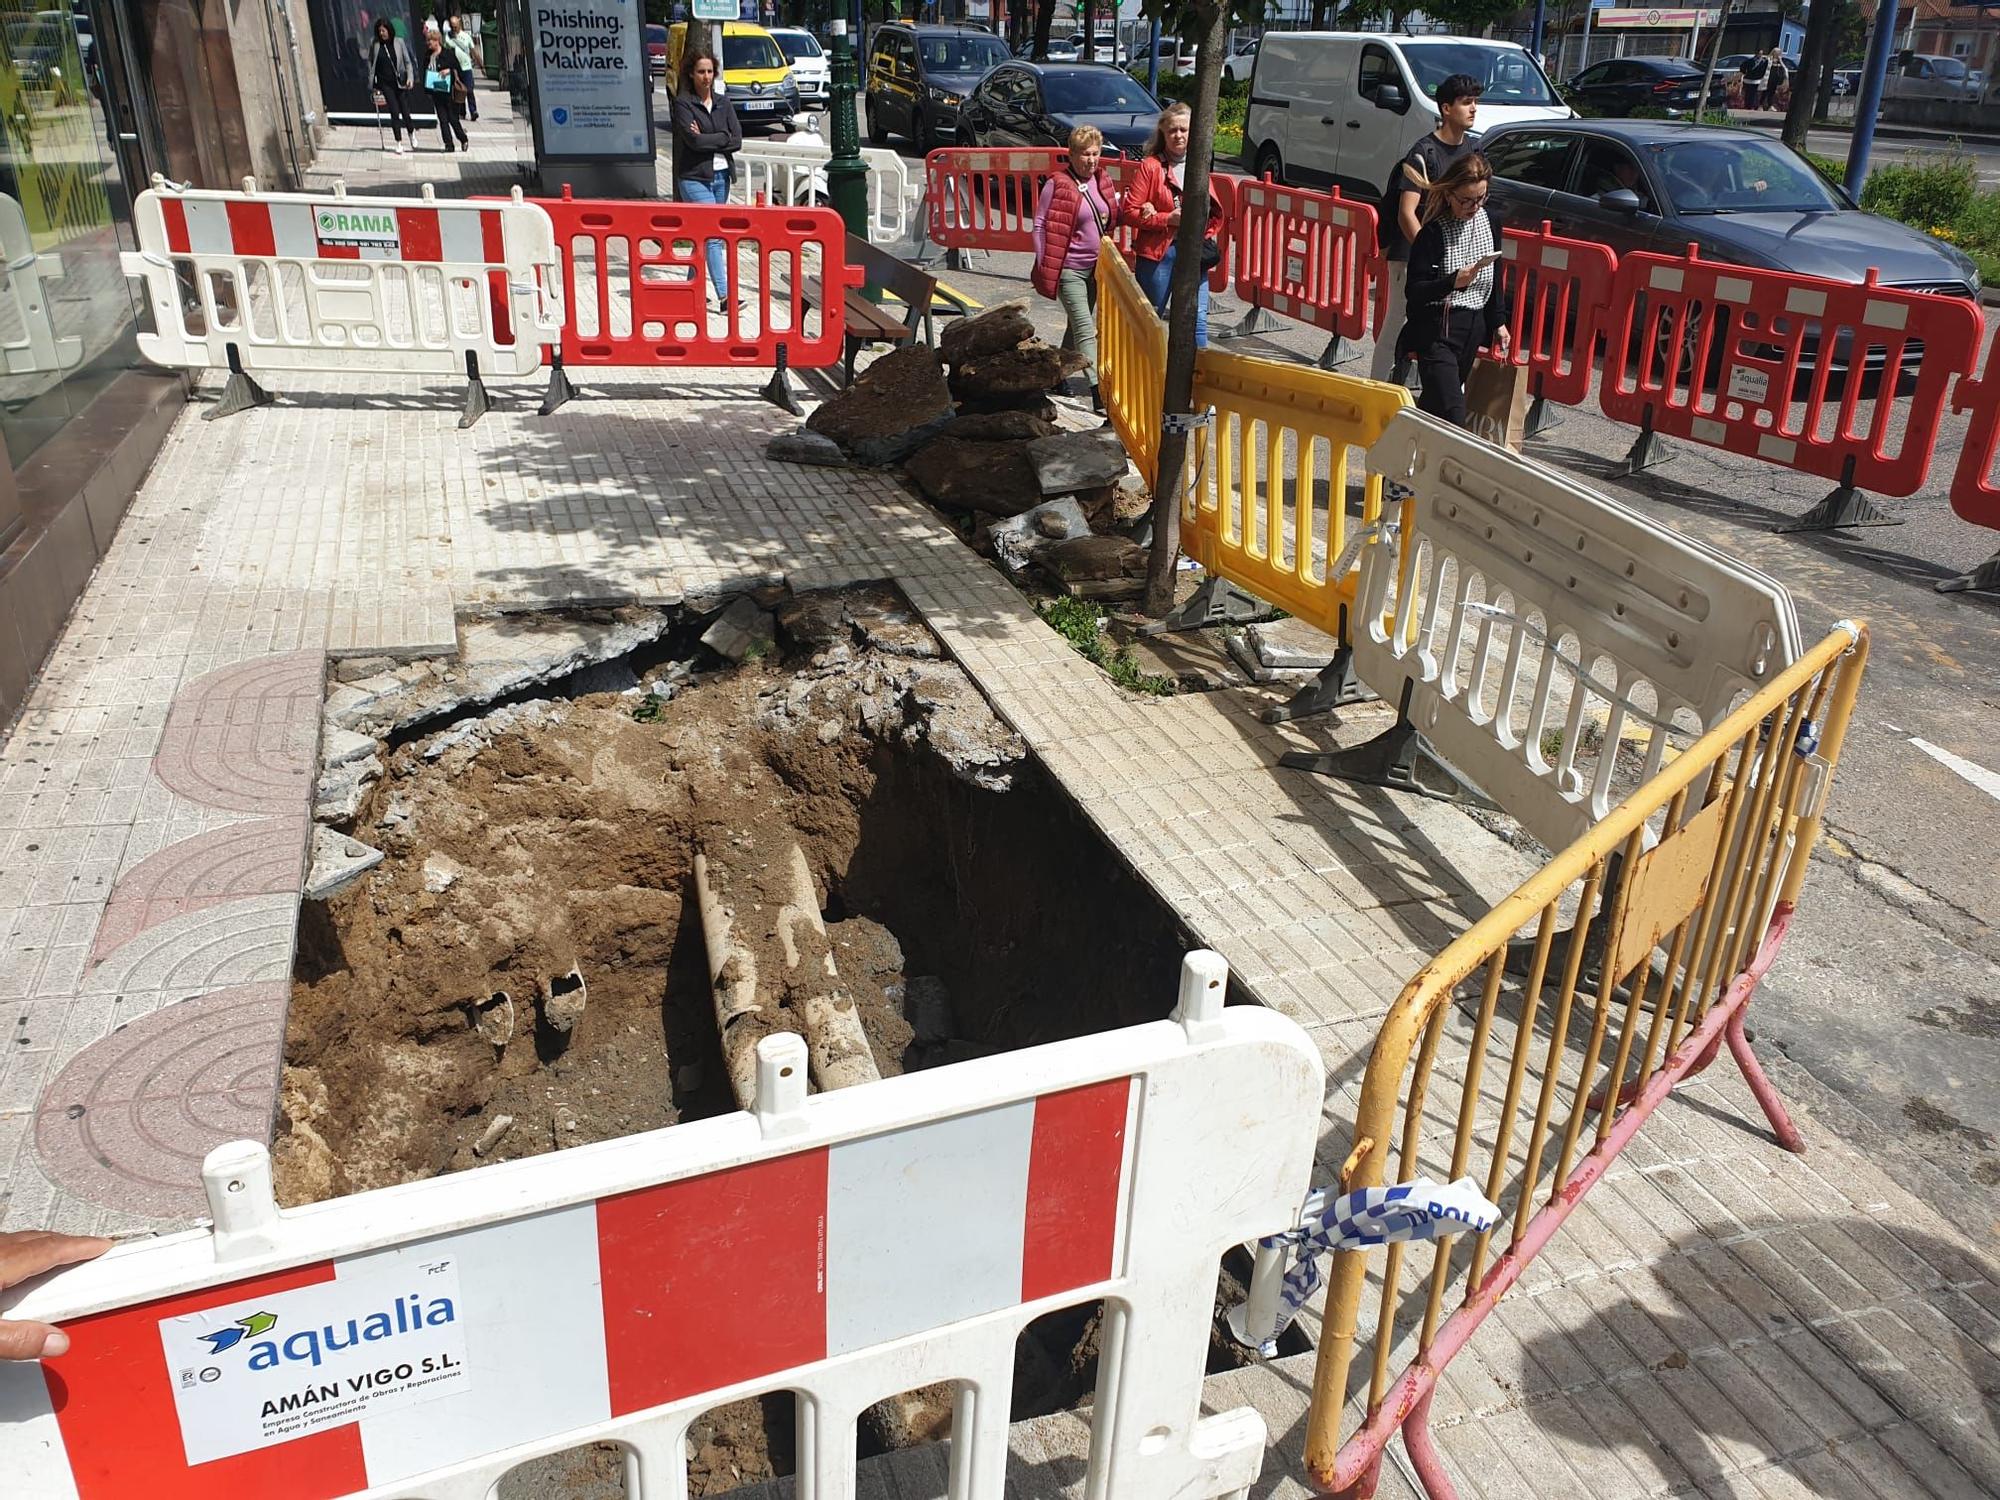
(1343, 107)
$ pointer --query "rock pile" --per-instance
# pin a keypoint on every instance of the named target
(972, 425)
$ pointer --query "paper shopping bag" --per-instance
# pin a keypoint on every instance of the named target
(1496, 402)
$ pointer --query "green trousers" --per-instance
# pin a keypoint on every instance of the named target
(1077, 292)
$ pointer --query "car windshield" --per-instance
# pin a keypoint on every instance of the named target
(962, 54)
(1737, 176)
(797, 44)
(1509, 74)
(1096, 93)
(754, 51)
(1948, 67)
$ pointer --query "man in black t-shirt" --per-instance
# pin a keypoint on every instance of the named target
(1402, 203)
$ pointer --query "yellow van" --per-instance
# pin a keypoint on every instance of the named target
(755, 74)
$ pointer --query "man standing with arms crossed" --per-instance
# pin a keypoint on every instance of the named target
(1458, 106)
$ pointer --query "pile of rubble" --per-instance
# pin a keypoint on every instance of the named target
(973, 425)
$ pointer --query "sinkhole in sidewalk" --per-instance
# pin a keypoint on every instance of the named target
(526, 966)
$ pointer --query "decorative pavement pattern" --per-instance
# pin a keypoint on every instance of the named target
(1719, 1318)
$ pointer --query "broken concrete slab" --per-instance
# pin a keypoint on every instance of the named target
(1244, 654)
(990, 477)
(1034, 370)
(1001, 327)
(741, 631)
(338, 746)
(1291, 644)
(895, 632)
(337, 862)
(805, 446)
(338, 795)
(1017, 539)
(441, 873)
(1072, 461)
(954, 720)
(893, 406)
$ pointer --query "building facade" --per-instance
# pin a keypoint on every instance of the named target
(96, 96)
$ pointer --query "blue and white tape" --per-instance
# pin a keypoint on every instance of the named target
(1420, 1210)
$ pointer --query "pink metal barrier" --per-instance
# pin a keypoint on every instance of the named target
(1561, 290)
(1975, 488)
(1847, 381)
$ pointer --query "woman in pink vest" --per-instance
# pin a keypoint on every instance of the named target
(1078, 208)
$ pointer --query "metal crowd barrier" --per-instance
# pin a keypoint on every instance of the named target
(424, 1340)
(259, 282)
(1530, 630)
(1688, 887)
(792, 174)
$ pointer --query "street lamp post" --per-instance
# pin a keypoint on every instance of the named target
(846, 173)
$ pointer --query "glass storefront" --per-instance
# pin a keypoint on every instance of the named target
(344, 32)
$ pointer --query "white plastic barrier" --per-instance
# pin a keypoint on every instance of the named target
(423, 1340)
(290, 282)
(1529, 607)
(793, 173)
(28, 340)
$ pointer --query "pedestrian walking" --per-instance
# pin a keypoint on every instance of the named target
(1755, 72)
(1402, 203)
(1777, 78)
(463, 47)
(706, 138)
(442, 83)
(1153, 202)
(394, 73)
(1078, 208)
(1457, 302)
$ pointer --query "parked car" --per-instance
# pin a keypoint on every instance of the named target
(1109, 49)
(1620, 85)
(1175, 57)
(755, 74)
(1061, 49)
(1332, 107)
(919, 75)
(1919, 75)
(1739, 196)
(656, 51)
(1038, 104)
(1732, 64)
(1239, 65)
(812, 71)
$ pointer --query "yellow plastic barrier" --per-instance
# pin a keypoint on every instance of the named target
(1131, 361)
(1681, 897)
(1266, 506)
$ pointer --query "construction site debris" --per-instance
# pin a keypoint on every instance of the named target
(337, 862)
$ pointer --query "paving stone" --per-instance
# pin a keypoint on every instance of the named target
(337, 862)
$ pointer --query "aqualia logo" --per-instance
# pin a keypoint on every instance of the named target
(406, 1314)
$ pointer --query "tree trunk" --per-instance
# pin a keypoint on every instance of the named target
(1821, 26)
(1084, 19)
(1045, 14)
(1188, 275)
(1714, 51)
(1318, 22)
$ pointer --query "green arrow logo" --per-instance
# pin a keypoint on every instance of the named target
(258, 1323)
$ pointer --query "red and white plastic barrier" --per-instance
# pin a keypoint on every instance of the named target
(425, 1339)
(295, 282)
(1561, 290)
(1840, 379)
(1312, 257)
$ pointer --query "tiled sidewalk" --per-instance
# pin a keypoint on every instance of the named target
(1719, 1318)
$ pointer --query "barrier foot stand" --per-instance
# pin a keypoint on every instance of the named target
(1983, 579)
(1336, 686)
(1538, 417)
(1258, 320)
(1337, 353)
(1845, 507)
(240, 394)
(1216, 602)
(1398, 757)
(560, 388)
(1647, 450)
(476, 404)
(778, 389)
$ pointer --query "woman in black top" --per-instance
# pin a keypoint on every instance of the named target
(392, 71)
(1457, 297)
(706, 136)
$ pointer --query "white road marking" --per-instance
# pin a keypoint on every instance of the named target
(1987, 781)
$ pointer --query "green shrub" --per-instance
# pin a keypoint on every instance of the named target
(1075, 620)
(1833, 171)
(1925, 192)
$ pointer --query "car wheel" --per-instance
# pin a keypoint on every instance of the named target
(877, 136)
(921, 134)
(1270, 164)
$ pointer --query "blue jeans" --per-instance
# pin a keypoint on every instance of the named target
(713, 188)
(1156, 280)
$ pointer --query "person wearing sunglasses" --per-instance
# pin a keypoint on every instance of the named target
(1457, 299)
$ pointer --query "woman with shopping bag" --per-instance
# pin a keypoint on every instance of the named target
(1457, 299)
(447, 90)
(1078, 208)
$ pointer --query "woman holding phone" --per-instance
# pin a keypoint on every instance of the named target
(1457, 298)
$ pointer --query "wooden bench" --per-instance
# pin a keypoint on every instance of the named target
(872, 321)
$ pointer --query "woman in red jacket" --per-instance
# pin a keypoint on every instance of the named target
(1078, 208)
(1153, 202)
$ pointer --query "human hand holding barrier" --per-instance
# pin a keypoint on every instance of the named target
(25, 1254)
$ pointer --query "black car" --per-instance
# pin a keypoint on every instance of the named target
(919, 75)
(1039, 104)
(1738, 196)
(1624, 84)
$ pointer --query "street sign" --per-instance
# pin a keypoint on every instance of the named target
(1656, 18)
(715, 10)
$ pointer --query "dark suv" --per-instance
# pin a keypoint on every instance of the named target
(918, 76)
